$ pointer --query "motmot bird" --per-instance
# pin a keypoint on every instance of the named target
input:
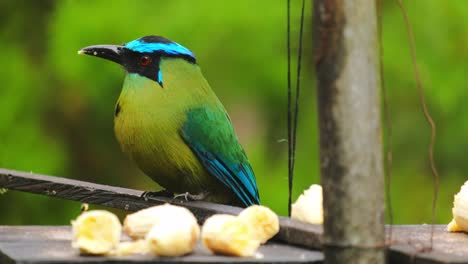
(172, 125)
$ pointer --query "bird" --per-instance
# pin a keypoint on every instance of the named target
(169, 121)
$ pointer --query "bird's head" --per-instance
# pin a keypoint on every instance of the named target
(142, 56)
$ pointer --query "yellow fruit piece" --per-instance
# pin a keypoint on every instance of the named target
(262, 220)
(173, 237)
(131, 248)
(453, 227)
(138, 224)
(228, 235)
(96, 232)
(308, 207)
(168, 230)
(460, 211)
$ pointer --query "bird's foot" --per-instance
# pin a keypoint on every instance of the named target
(192, 197)
(161, 193)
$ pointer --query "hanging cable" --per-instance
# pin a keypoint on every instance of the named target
(298, 85)
(290, 174)
(428, 117)
(293, 114)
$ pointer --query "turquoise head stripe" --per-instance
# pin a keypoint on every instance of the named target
(169, 48)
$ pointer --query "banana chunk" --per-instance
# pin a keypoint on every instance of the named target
(124, 248)
(228, 235)
(460, 211)
(308, 207)
(139, 224)
(262, 220)
(168, 230)
(453, 226)
(96, 232)
(176, 237)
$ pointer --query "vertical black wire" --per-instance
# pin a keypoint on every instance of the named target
(290, 158)
(298, 85)
(293, 117)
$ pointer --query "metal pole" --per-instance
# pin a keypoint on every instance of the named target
(347, 67)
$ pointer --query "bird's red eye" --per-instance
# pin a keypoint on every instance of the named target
(145, 60)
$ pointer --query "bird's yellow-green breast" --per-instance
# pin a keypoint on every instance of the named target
(148, 120)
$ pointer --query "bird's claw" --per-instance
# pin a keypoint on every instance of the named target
(191, 197)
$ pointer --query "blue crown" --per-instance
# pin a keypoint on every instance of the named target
(152, 44)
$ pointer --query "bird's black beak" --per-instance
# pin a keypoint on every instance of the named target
(108, 52)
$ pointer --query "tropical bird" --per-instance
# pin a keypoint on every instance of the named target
(172, 125)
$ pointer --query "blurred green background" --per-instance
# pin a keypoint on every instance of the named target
(56, 108)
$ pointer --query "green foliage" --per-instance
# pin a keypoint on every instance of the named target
(57, 107)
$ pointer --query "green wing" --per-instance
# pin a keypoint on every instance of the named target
(210, 135)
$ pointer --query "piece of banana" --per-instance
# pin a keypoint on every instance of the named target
(124, 248)
(169, 230)
(228, 235)
(453, 226)
(460, 211)
(262, 220)
(96, 232)
(173, 237)
(138, 224)
(308, 207)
